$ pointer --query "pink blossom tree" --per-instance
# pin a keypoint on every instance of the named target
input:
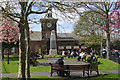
(111, 20)
(9, 33)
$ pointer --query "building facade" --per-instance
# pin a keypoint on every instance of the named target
(65, 41)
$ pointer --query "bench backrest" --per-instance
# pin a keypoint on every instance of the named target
(57, 67)
(77, 67)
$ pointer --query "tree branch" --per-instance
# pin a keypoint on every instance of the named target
(13, 15)
(92, 9)
(99, 7)
(29, 8)
(110, 5)
(12, 18)
(35, 12)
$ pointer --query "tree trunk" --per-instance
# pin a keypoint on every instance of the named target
(8, 55)
(108, 38)
(22, 48)
(101, 49)
(21, 72)
(28, 53)
(2, 53)
(108, 46)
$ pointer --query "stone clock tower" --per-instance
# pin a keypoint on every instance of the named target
(48, 24)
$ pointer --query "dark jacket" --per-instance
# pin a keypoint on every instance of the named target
(60, 61)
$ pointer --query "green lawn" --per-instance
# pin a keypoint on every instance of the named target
(13, 66)
(71, 59)
(42, 59)
(107, 65)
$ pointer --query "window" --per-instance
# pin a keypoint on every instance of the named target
(76, 47)
(68, 47)
(13, 49)
(60, 47)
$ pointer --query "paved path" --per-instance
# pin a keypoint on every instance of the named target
(46, 63)
(48, 73)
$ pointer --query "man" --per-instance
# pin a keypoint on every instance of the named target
(60, 61)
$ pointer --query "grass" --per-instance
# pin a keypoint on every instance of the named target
(107, 65)
(40, 69)
(101, 77)
(14, 64)
(71, 59)
(42, 59)
(10, 68)
(13, 67)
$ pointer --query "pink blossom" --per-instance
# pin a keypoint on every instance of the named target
(9, 31)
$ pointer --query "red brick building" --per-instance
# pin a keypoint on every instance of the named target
(65, 41)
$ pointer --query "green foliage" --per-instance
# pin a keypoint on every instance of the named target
(93, 41)
(88, 26)
(116, 44)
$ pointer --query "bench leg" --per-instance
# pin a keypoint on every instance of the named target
(67, 73)
(83, 73)
(51, 72)
(97, 72)
(90, 72)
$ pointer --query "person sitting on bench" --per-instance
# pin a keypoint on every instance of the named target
(60, 62)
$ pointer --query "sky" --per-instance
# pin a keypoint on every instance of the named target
(64, 24)
(61, 28)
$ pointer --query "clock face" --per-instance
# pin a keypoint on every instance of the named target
(49, 25)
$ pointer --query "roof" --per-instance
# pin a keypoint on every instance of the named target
(67, 36)
(37, 36)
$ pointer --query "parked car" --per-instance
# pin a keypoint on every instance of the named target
(115, 55)
(116, 52)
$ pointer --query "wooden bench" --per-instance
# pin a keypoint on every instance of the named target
(70, 68)
(83, 68)
(57, 67)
